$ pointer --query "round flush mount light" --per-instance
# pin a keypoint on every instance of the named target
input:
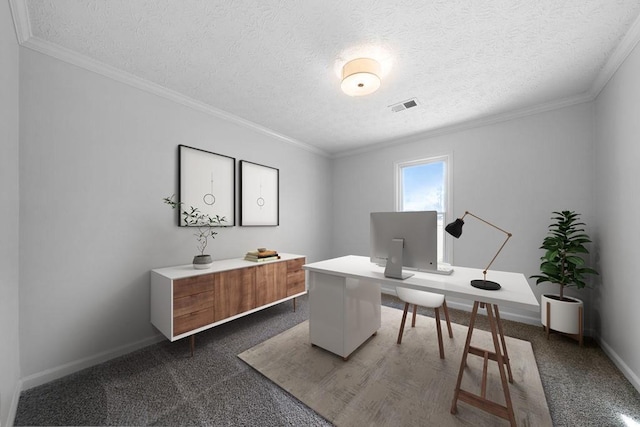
(360, 77)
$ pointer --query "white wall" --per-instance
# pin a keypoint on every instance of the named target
(513, 173)
(96, 159)
(617, 205)
(9, 216)
(97, 156)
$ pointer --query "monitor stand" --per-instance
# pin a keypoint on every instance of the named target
(393, 269)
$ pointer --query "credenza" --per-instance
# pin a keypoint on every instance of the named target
(185, 301)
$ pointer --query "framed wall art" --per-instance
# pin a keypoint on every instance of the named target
(259, 195)
(207, 182)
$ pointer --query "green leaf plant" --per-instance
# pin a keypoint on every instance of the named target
(563, 262)
(204, 223)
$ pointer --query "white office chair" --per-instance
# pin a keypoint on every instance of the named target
(428, 300)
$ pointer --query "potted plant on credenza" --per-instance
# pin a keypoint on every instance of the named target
(204, 225)
(563, 263)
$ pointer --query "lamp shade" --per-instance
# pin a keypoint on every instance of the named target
(360, 77)
(455, 228)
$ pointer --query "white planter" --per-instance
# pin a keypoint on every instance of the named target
(565, 316)
(202, 262)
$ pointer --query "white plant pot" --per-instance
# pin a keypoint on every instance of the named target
(564, 315)
(202, 262)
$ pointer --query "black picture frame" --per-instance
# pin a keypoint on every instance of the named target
(207, 182)
(259, 195)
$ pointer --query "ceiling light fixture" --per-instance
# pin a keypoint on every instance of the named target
(360, 77)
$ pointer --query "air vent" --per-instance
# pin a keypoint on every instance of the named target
(404, 105)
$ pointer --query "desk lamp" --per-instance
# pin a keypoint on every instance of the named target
(455, 229)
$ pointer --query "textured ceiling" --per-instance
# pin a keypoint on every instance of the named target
(276, 63)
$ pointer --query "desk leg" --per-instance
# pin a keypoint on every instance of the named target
(505, 355)
(463, 362)
(495, 325)
(499, 346)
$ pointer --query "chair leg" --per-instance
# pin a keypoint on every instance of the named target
(404, 318)
(439, 330)
(446, 316)
(413, 320)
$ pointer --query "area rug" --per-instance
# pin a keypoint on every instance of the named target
(386, 384)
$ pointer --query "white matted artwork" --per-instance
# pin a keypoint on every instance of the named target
(208, 183)
(259, 187)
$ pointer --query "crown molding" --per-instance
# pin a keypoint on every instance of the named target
(66, 55)
(27, 40)
(619, 55)
(617, 58)
(20, 20)
(471, 124)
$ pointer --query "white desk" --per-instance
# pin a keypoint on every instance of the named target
(344, 311)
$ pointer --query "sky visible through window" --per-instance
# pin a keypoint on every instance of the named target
(423, 190)
(422, 187)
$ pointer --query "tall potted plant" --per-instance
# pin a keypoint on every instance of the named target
(204, 225)
(563, 263)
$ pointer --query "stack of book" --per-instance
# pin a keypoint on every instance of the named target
(261, 256)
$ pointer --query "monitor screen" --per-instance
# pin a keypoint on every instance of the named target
(418, 232)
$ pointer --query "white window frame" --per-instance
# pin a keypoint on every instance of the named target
(447, 250)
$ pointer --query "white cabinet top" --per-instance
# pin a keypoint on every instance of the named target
(187, 270)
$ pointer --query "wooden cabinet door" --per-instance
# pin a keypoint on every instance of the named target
(271, 282)
(192, 303)
(235, 292)
(193, 320)
(192, 285)
(295, 276)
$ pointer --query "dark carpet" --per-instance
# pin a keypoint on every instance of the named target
(163, 385)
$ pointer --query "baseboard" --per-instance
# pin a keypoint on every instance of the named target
(527, 317)
(13, 407)
(52, 374)
(624, 368)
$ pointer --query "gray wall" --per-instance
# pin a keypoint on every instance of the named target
(617, 205)
(96, 158)
(513, 174)
(9, 215)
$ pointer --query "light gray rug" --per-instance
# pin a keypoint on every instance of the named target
(383, 383)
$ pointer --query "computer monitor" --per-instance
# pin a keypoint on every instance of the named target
(404, 239)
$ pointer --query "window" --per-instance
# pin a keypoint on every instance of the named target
(424, 185)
